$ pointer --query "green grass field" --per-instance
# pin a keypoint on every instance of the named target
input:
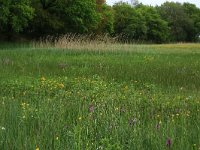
(140, 97)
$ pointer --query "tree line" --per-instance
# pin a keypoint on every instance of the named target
(170, 22)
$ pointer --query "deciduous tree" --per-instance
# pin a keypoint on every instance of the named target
(181, 25)
(15, 15)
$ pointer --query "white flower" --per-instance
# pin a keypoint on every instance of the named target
(2, 128)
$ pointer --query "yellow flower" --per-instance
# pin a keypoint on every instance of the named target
(43, 78)
(61, 85)
(23, 105)
(126, 88)
(37, 148)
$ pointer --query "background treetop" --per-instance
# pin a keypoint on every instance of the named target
(170, 22)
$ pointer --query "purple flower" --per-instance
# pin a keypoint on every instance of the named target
(168, 142)
(91, 108)
(158, 126)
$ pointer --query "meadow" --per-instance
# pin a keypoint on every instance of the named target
(115, 97)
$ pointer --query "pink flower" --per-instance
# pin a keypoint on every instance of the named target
(168, 142)
(91, 108)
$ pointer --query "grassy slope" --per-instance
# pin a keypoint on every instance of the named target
(155, 65)
(141, 96)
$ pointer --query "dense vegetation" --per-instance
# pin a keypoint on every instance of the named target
(142, 98)
(170, 22)
(84, 86)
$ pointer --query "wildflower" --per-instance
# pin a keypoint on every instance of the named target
(42, 79)
(80, 118)
(91, 108)
(57, 138)
(168, 142)
(3, 128)
(23, 105)
(126, 88)
(61, 85)
(116, 109)
(37, 148)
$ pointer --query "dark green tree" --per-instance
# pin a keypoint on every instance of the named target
(47, 19)
(106, 19)
(181, 25)
(129, 22)
(194, 14)
(157, 28)
(62, 16)
(15, 15)
(81, 16)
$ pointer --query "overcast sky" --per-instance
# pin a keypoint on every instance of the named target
(156, 2)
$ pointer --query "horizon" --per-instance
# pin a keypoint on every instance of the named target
(155, 2)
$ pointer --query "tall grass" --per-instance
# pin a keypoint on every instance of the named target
(83, 42)
(64, 96)
(101, 43)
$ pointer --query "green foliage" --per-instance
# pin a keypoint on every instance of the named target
(181, 25)
(81, 16)
(107, 19)
(47, 19)
(194, 13)
(157, 29)
(140, 23)
(170, 22)
(64, 16)
(129, 22)
(15, 15)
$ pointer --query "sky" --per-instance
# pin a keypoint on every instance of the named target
(156, 2)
